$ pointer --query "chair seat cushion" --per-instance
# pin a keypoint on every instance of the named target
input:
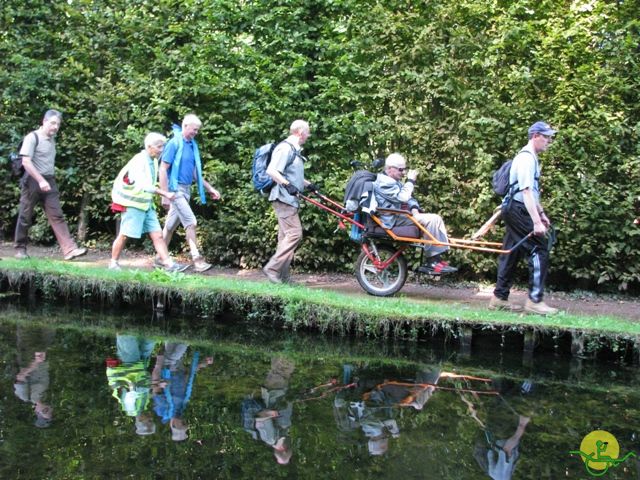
(410, 231)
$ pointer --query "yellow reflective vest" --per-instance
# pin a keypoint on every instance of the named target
(136, 183)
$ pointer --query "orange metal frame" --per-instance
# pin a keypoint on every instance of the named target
(424, 386)
(427, 239)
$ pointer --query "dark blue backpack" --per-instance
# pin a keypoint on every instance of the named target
(261, 159)
(262, 182)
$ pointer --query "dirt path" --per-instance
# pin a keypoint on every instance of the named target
(438, 291)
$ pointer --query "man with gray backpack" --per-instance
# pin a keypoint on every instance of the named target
(286, 169)
(38, 185)
(522, 214)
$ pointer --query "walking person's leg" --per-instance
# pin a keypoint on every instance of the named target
(289, 237)
(538, 266)
(116, 251)
(181, 212)
(171, 224)
(55, 216)
(507, 264)
(29, 197)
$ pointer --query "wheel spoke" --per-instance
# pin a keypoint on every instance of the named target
(381, 282)
(381, 277)
(367, 267)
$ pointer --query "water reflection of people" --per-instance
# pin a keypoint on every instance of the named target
(130, 379)
(32, 379)
(499, 456)
(173, 384)
(374, 413)
(269, 418)
(498, 451)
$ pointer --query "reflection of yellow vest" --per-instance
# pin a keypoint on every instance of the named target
(131, 385)
(132, 194)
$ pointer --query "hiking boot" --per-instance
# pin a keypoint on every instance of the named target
(498, 304)
(176, 267)
(539, 308)
(21, 255)
(272, 278)
(114, 265)
(76, 252)
(437, 267)
(199, 265)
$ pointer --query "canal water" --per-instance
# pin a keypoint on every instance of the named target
(89, 395)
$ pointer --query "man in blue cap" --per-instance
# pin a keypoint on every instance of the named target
(522, 213)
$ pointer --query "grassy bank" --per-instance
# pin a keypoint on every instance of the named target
(290, 307)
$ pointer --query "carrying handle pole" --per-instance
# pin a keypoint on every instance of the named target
(522, 240)
(331, 210)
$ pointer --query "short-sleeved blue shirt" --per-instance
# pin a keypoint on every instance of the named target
(187, 164)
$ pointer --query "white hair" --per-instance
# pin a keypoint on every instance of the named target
(191, 119)
(154, 139)
(298, 126)
(395, 160)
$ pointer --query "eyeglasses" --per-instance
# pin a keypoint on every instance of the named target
(400, 169)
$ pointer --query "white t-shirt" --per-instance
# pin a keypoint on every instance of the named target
(525, 170)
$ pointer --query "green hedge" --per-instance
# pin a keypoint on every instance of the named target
(452, 85)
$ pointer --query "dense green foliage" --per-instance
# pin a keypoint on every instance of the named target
(453, 85)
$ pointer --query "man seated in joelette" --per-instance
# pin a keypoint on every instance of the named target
(390, 192)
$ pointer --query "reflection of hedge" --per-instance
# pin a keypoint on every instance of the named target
(453, 85)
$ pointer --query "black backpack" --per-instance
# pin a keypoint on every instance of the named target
(500, 181)
(16, 158)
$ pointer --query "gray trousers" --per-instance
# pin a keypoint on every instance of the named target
(289, 237)
(434, 225)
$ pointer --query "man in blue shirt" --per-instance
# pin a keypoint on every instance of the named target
(180, 167)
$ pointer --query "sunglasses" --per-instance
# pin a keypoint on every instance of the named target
(401, 169)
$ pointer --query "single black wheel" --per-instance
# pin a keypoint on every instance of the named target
(381, 283)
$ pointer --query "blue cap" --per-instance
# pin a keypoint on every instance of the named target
(541, 127)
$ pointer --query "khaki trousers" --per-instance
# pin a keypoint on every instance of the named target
(289, 237)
